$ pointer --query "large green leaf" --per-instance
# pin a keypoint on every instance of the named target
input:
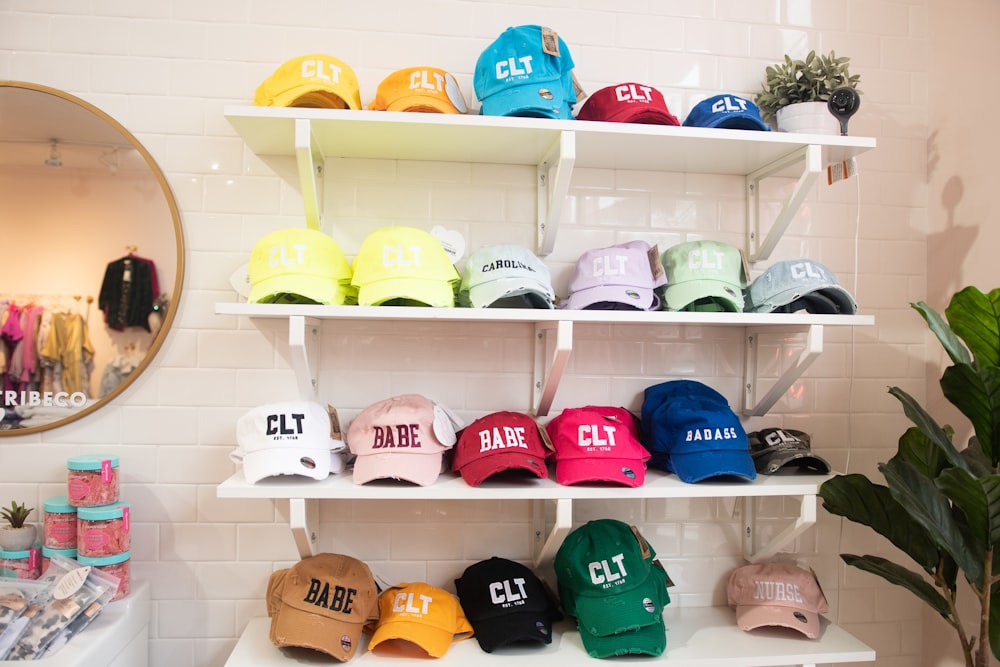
(896, 574)
(951, 343)
(856, 498)
(975, 318)
(927, 505)
(976, 393)
(936, 434)
(979, 500)
(917, 449)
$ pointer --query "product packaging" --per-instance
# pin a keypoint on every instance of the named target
(117, 566)
(104, 530)
(92, 479)
(60, 523)
(25, 564)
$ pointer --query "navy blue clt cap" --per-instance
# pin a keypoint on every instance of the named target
(690, 430)
(726, 111)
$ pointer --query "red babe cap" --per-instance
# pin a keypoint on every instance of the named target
(598, 444)
(501, 441)
(628, 103)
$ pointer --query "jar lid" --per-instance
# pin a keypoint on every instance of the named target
(49, 552)
(14, 555)
(98, 561)
(102, 512)
(90, 462)
(59, 505)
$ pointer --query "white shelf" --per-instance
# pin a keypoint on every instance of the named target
(554, 147)
(696, 637)
(555, 326)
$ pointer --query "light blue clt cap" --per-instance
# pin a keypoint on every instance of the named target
(526, 71)
(799, 284)
(726, 111)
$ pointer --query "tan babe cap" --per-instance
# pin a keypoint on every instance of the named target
(322, 602)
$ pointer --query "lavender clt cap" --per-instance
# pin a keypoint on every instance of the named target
(623, 275)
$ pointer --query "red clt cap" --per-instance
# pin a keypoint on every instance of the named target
(628, 103)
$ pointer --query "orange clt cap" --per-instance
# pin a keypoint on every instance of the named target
(426, 89)
(429, 617)
(316, 80)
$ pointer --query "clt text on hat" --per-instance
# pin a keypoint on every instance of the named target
(526, 71)
(419, 89)
(727, 112)
(404, 266)
(288, 438)
(704, 276)
(298, 265)
(622, 276)
(627, 103)
(799, 284)
(315, 80)
(597, 444)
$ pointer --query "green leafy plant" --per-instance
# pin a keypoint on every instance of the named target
(941, 503)
(808, 80)
(16, 514)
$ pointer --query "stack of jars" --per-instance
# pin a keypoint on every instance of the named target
(103, 527)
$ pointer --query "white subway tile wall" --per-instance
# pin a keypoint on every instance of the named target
(166, 70)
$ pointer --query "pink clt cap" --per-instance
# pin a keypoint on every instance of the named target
(777, 594)
(403, 437)
(501, 441)
(598, 444)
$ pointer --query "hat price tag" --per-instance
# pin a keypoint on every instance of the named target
(451, 240)
(550, 42)
(841, 171)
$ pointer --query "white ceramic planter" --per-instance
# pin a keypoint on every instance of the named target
(808, 118)
(17, 539)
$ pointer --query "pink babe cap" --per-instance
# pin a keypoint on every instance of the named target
(501, 441)
(403, 437)
(628, 103)
(597, 444)
(617, 277)
(777, 593)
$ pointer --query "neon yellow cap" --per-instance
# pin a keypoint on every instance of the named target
(299, 265)
(404, 265)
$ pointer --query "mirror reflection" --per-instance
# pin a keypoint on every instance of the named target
(93, 263)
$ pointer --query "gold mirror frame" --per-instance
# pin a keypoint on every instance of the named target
(167, 319)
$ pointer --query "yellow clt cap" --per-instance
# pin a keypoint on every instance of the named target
(427, 89)
(315, 80)
(405, 265)
(298, 266)
(430, 617)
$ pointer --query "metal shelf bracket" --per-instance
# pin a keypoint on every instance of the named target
(310, 161)
(754, 553)
(303, 346)
(303, 519)
(811, 157)
(553, 176)
(545, 542)
(544, 384)
(812, 349)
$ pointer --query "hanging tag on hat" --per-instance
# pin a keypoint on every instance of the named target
(451, 240)
(550, 42)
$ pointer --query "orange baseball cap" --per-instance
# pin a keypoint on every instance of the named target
(425, 615)
(322, 602)
(316, 80)
(426, 89)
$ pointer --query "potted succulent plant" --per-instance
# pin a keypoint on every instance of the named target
(17, 534)
(796, 88)
(940, 505)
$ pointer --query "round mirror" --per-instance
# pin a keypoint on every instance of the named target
(93, 261)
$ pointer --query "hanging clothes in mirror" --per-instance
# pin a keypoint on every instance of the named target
(128, 291)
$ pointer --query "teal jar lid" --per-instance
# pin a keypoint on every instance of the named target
(102, 512)
(99, 561)
(49, 552)
(14, 555)
(90, 462)
(59, 505)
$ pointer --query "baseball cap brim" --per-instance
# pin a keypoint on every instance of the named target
(317, 463)
(421, 103)
(435, 641)
(770, 462)
(526, 101)
(640, 298)
(496, 632)
(630, 472)
(304, 628)
(749, 617)
(315, 288)
(829, 300)
(700, 465)
(435, 293)
(479, 469)
(648, 640)
(314, 96)
(422, 469)
(535, 294)
(681, 295)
